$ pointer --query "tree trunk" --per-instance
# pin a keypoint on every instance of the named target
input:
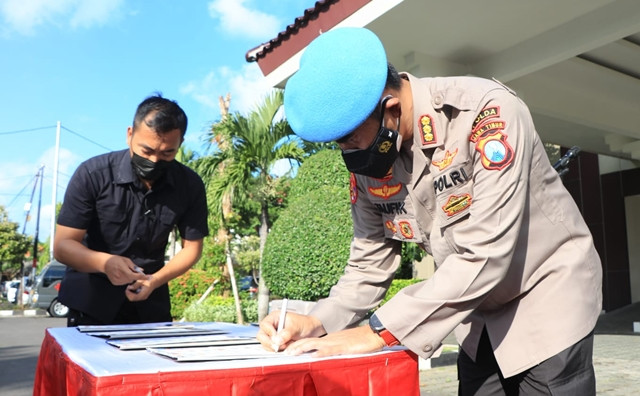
(173, 236)
(234, 286)
(263, 290)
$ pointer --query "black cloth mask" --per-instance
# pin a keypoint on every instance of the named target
(147, 169)
(377, 159)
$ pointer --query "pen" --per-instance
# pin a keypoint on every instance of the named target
(140, 271)
(283, 317)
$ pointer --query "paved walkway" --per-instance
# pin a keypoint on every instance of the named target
(616, 359)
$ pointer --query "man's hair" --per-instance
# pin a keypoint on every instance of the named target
(393, 77)
(166, 115)
(394, 81)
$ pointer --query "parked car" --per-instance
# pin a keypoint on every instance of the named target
(248, 284)
(4, 285)
(45, 294)
(12, 292)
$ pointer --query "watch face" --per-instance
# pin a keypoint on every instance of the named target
(375, 324)
(379, 329)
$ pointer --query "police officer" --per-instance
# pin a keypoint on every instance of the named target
(455, 165)
(118, 211)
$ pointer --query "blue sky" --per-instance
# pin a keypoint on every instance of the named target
(88, 63)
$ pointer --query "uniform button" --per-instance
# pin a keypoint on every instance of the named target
(428, 348)
(437, 99)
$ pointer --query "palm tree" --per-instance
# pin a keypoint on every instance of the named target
(184, 156)
(247, 148)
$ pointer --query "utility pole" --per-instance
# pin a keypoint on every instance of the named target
(27, 208)
(54, 190)
(34, 265)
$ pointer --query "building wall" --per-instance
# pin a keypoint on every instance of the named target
(602, 200)
(632, 209)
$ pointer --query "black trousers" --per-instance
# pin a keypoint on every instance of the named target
(129, 314)
(570, 373)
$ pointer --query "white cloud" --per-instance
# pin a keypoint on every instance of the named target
(239, 20)
(17, 180)
(94, 12)
(24, 16)
(248, 88)
(67, 163)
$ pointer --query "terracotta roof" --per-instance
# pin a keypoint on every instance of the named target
(300, 22)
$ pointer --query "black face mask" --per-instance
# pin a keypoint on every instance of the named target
(377, 159)
(147, 169)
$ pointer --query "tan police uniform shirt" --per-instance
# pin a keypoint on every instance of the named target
(474, 188)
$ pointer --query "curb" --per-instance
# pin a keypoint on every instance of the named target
(25, 312)
(445, 359)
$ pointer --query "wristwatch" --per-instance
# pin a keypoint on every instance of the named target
(380, 330)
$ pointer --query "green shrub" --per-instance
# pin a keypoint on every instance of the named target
(396, 286)
(323, 169)
(221, 309)
(213, 254)
(188, 288)
(308, 246)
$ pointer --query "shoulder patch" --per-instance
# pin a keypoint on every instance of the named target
(486, 113)
(353, 188)
(496, 152)
(483, 128)
(427, 129)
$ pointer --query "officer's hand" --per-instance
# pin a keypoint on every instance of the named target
(295, 327)
(140, 289)
(351, 341)
(122, 271)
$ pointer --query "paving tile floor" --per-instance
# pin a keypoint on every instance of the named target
(616, 359)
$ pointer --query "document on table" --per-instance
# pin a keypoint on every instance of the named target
(235, 352)
(149, 331)
(130, 327)
(183, 341)
(195, 342)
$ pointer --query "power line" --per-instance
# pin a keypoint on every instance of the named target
(16, 177)
(86, 138)
(20, 193)
(26, 130)
(53, 126)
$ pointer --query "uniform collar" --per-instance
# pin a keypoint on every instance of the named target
(123, 170)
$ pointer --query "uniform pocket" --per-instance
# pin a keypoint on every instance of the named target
(114, 222)
(453, 205)
(168, 217)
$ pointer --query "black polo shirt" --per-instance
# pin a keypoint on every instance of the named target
(122, 217)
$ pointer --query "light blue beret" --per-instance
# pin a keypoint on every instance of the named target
(340, 81)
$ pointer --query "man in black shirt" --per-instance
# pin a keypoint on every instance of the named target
(118, 211)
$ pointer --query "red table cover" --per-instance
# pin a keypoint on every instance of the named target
(390, 374)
